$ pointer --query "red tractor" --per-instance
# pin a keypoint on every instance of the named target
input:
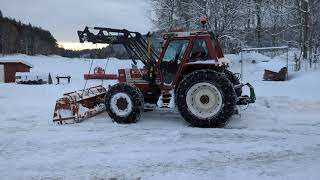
(190, 74)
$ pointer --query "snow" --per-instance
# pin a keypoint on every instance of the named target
(301, 85)
(31, 76)
(278, 137)
(266, 48)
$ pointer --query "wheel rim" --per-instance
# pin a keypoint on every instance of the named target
(204, 100)
(121, 104)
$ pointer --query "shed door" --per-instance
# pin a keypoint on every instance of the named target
(1, 73)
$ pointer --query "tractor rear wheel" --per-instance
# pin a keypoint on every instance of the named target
(206, 98)
(235, 81)
(124, 103)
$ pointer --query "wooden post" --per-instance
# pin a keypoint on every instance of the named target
(241, 66)
(287, 76)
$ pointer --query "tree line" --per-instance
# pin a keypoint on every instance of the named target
(17, 37)
(252, 23)
(117, 51)
(247, 23)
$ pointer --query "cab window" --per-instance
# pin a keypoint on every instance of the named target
(176, 51)
(172, 59)
(199, 51)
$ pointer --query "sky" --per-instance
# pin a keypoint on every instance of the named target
(64, 17)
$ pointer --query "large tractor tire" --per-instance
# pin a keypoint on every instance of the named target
(206, 99)
(235, 81)
(124, 103)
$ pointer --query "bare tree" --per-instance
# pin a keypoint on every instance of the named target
(165, 13)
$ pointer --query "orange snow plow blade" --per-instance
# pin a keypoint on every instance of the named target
(77, 106)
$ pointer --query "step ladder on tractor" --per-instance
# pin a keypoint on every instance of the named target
(190, 74)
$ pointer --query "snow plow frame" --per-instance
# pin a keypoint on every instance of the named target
(79, 105)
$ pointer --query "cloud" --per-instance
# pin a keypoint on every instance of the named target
(64, 17)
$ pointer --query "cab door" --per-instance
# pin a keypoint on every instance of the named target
(171, 60)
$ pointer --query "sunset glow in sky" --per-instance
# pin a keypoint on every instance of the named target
(63, 18)
(80, 46)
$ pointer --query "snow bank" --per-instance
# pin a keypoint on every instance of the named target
(75, 67)
(301, 85)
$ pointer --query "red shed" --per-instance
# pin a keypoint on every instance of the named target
(8, 69)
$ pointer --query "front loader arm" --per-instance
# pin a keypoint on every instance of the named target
(134, 43)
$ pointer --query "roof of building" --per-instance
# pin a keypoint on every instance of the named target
(16, 61)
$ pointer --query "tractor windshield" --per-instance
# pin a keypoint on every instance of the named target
(172, 59)
(176, 50)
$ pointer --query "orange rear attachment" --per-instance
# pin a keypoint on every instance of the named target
(77, 106)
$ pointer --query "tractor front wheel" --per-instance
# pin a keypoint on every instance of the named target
(124, 103)
(206, 98)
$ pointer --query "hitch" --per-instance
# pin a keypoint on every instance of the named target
(245, 99)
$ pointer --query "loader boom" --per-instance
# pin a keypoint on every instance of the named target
(136, 46)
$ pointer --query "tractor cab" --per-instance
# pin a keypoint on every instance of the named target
(184, 52)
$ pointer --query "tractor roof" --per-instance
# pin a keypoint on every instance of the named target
(171, 35)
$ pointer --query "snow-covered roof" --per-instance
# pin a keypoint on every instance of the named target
(31, 74)
(184, 34)
(266, 48)
(15, 61)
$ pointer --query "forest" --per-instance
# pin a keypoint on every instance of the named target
(17, 37)
(247, 23)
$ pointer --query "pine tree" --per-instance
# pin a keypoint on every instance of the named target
(1, 14)
(50, 79)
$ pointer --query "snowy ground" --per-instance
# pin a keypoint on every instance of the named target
(276, 138)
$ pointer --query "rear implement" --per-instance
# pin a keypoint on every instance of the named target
(77, 106)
